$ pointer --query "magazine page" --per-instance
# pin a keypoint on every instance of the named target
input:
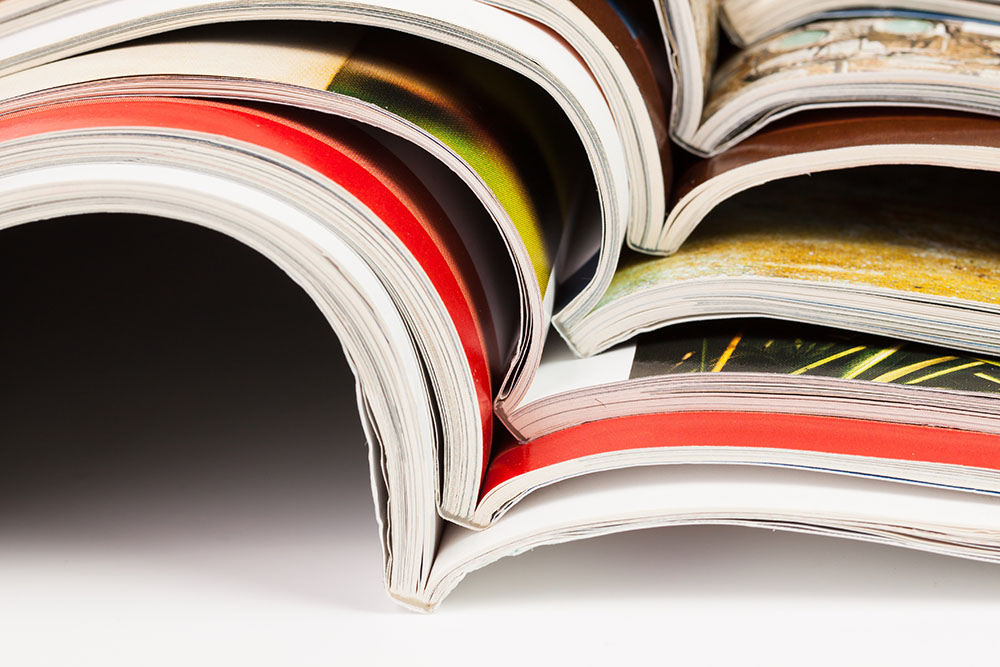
(880, 45)
(706, 28)
(690, 30)
(503, 37)
(561, 371)
(485, 114)
(825, 140)
(633, 31)
(464, 102)
(936, 520)
(852, 61)
(781, 348)
(621, 45)
(815, 133)
(749, 21)
(924, 238)
(522, 159)
(703, 351)
(922, 265)
(250, 175)
(756, 365)
(895, 452)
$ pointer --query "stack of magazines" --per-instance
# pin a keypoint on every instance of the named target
(597, 265)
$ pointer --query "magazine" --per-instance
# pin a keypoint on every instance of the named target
(892, 59)
(547, 309)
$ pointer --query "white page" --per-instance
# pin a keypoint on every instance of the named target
(562, 371)
(618, 500)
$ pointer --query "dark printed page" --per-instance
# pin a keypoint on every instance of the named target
(782, 348)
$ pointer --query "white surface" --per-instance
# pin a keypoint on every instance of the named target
(201, 503)
(244, 586)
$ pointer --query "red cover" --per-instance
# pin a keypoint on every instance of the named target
(392, 192)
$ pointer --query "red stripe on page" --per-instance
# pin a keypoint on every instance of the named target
(831, 435)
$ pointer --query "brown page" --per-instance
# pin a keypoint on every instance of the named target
(825, 130)
(648, 68)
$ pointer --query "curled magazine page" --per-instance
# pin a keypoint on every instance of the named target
(503, 37)
(294, 193)
(706, 28)
(463, 101)
(562, 371)
(622, 46)
(499, 132)
(702, 382)
(690, 31)
(826, 141)
(936, 520)
(477, 109)
(524, 153)
(765, 346)
(880, 46)
(921, 239)
(852, 62)
(749, 21)
(921, 265)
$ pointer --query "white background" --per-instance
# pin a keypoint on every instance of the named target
(183, 481)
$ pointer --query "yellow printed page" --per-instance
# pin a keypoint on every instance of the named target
(920, 230)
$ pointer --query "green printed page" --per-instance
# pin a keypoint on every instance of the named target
(920, 230)
(507, 129)
(782, 348)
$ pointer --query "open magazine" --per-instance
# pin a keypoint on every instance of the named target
(530, 285)
(898, 59)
